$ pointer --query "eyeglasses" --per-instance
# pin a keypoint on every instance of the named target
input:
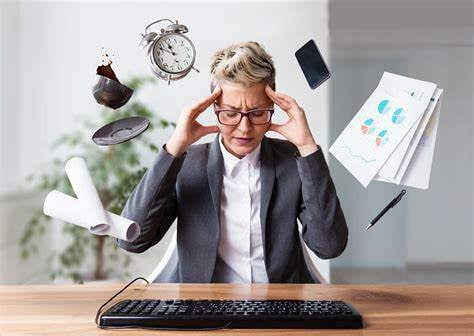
(233, 117)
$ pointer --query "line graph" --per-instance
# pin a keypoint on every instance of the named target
(357, 156)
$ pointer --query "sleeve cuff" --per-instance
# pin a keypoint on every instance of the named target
(171, 155)
(297, 153)
(313, 164)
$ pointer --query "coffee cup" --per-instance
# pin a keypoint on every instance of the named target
(110, 93)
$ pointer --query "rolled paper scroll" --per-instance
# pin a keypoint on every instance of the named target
(69, 209)
(86, 193)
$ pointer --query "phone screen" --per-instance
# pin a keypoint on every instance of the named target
(313, 65)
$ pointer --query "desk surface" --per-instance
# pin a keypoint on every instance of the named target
(387, 310)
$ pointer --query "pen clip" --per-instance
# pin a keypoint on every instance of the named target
(399, 197)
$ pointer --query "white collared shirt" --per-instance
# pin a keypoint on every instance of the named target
(240, 257)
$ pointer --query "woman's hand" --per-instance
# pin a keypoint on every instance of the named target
(188, 130)
(296, 129)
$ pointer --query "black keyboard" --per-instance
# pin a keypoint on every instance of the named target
(195, 314)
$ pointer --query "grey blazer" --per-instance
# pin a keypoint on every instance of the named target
(189, 188)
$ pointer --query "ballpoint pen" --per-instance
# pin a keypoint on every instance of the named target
(388, 207)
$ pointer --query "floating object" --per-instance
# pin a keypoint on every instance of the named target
(87, 210)
(397, 116)
(171, 54)
(107, 89)
(312, 64)
(388, 207)
(84, 188)
(120, 131)
(68, 209)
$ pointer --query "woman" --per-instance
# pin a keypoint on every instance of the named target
(237, 198)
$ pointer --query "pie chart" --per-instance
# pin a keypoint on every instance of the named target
(368, 126)
(382, 138)
(384, 106)
(398, 116)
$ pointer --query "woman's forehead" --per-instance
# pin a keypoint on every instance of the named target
(235, 96)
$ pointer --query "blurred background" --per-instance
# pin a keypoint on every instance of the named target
(49, 54)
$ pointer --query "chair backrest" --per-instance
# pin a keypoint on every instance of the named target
(313, 270)
(166, 268)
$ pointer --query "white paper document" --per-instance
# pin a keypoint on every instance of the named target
(420, 93)
(433, 106)
(382, 140)
(418, 170)
(69, 209)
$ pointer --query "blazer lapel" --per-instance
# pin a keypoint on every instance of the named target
(215, 167)
(267, 178)
(215, 171)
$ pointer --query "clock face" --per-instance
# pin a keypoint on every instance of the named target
(174, 53)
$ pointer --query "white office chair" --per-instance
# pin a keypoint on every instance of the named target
(168, 263)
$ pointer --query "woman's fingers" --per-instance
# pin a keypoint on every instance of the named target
(289, 99)
(293, 105)
(279, 95)
(285, 104)
(202, 105)
(272, 95)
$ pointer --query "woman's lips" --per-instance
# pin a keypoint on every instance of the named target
(243, 141)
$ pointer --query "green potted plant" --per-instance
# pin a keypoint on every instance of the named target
(115, 171)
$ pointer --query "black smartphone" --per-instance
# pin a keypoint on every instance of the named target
(312, 63)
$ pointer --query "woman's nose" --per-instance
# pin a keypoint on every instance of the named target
(245, 124)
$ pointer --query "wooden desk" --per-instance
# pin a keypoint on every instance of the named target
(387, 310)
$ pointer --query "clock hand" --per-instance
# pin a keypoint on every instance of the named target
(171, 52)
(171, 48)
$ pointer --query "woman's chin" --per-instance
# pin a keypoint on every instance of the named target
(240, 151)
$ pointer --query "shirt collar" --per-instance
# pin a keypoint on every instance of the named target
(230, 161)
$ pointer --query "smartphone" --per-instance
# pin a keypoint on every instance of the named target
(312, 63)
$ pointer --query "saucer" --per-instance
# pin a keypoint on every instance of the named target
(120, 131)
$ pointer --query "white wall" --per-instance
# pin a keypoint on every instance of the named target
(55, 46)
(432, 41)
(9, 102)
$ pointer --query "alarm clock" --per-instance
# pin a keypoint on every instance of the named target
(170, 53)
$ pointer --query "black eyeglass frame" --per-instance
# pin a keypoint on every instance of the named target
(218, 110)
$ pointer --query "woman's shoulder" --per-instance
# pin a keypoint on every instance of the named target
(282, 146)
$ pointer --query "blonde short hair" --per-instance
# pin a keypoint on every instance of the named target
(244, 63)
